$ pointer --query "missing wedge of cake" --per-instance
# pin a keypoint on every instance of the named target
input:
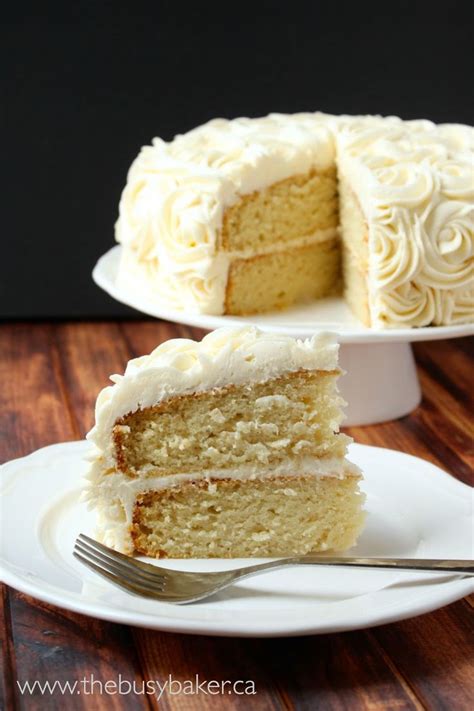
(229, 448)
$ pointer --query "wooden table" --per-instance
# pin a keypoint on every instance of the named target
(50, 374)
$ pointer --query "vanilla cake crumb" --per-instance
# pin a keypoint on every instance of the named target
(226, 448)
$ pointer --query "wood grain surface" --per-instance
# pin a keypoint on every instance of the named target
(50, 375)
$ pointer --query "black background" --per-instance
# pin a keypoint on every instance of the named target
(84, 91)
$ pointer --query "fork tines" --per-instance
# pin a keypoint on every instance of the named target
(131, 575)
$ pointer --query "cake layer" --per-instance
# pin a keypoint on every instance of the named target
(281, 213)
(296, 414)
(355, 253)
(181, 366)
(226, 518)
(354, 229)
(275, 281)
(355, 286)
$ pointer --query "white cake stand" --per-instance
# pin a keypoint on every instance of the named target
(381, 382)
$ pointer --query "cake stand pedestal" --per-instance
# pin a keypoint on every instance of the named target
(381, 382)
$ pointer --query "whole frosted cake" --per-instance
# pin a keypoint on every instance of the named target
(251, 215)
(228, 447)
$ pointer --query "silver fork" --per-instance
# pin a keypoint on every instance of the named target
(182, 587)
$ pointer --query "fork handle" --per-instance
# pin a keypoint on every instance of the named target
(461, 567)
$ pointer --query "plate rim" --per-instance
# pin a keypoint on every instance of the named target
(454, 589)
(210, 322)
(216, 628)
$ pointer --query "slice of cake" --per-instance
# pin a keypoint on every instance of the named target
(228, 447)
(245, 216)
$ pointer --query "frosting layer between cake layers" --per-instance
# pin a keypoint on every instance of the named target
(413, 179)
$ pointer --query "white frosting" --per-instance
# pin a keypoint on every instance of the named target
(415, 184)
(225, 356)
(115, 494)
(413, 179)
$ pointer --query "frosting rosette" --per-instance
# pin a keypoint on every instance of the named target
(448, 245)
(186, 224)
(404, 184)
(396, 249)
(456, 177)
(456, 136)
(462, 307)
(454, 307)
(410, 304)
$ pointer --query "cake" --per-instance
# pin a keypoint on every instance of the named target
(252, 215)
(229, 447)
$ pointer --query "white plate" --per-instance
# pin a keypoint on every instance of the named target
(414, 510)
(330, 314)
